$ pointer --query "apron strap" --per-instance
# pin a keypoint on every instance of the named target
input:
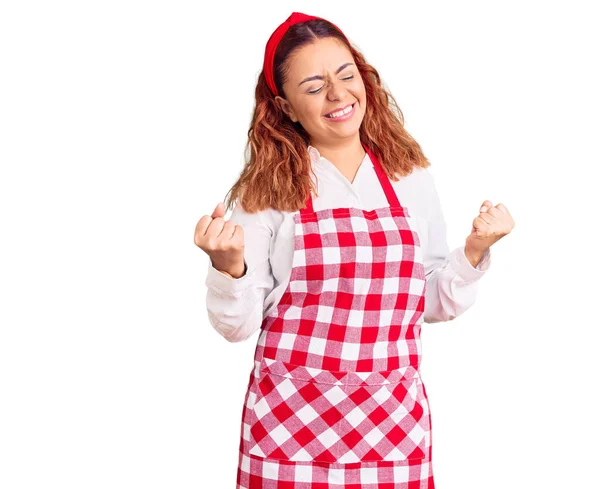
(388, 189)
(390, 193)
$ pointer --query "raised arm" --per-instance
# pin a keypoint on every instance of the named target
(235, 305)
(452, 281)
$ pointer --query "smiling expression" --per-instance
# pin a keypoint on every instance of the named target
(322, 79)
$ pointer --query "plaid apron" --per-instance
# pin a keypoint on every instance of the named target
(335, 399)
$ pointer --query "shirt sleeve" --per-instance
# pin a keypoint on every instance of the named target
(452, 281)
(235, 305)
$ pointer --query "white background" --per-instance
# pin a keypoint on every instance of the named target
(122, 123)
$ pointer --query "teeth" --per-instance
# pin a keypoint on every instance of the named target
(341, 112)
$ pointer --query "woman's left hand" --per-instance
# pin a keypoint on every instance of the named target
(489, 226)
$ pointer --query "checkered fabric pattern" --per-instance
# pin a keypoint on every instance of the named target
(257, 473)
(356, 294)
(304, 414)
(335, 399)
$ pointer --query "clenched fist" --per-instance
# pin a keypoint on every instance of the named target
(492, 224)
(222, 241)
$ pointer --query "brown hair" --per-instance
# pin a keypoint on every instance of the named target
(277, 173)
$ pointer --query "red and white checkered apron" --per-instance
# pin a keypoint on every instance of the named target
(335, 399)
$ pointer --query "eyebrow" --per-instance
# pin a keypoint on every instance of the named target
(319, 77)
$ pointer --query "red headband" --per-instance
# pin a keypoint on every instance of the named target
(273, 42)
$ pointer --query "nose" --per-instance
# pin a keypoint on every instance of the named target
(336, 90)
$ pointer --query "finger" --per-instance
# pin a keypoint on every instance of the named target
(219, 210)
(227, 230)
(238, 231)
(484, 218)
(202, 226)
(495, 212)
(503, 208)
(482, 228)
(215, 227)
(238, 235)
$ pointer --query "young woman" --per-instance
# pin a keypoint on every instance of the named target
(337, 252)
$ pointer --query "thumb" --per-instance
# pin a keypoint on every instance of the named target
(219, 210)
(487, 204)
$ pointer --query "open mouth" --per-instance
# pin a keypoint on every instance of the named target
(342, 115)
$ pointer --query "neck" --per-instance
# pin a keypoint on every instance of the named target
(346, 155)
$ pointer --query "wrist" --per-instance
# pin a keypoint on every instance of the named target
(243, 271)
(234, 272)
(473, 256)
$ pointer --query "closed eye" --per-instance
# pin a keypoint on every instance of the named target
(317, 91)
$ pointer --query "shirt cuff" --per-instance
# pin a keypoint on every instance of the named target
(218, 280)
(463, 268)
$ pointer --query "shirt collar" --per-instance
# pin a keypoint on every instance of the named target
(314, 154)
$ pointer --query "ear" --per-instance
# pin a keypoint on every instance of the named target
(286, 108)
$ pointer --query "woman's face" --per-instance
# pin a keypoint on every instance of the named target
(322, 79)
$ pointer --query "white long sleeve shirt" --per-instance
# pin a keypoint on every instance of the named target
(237, 307)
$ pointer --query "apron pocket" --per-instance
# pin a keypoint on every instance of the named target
(307, 414)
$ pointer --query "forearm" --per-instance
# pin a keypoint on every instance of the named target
(452, 286)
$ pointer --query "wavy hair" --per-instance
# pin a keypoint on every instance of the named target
(276, 172)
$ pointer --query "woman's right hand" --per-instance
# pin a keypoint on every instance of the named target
(222, 241)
